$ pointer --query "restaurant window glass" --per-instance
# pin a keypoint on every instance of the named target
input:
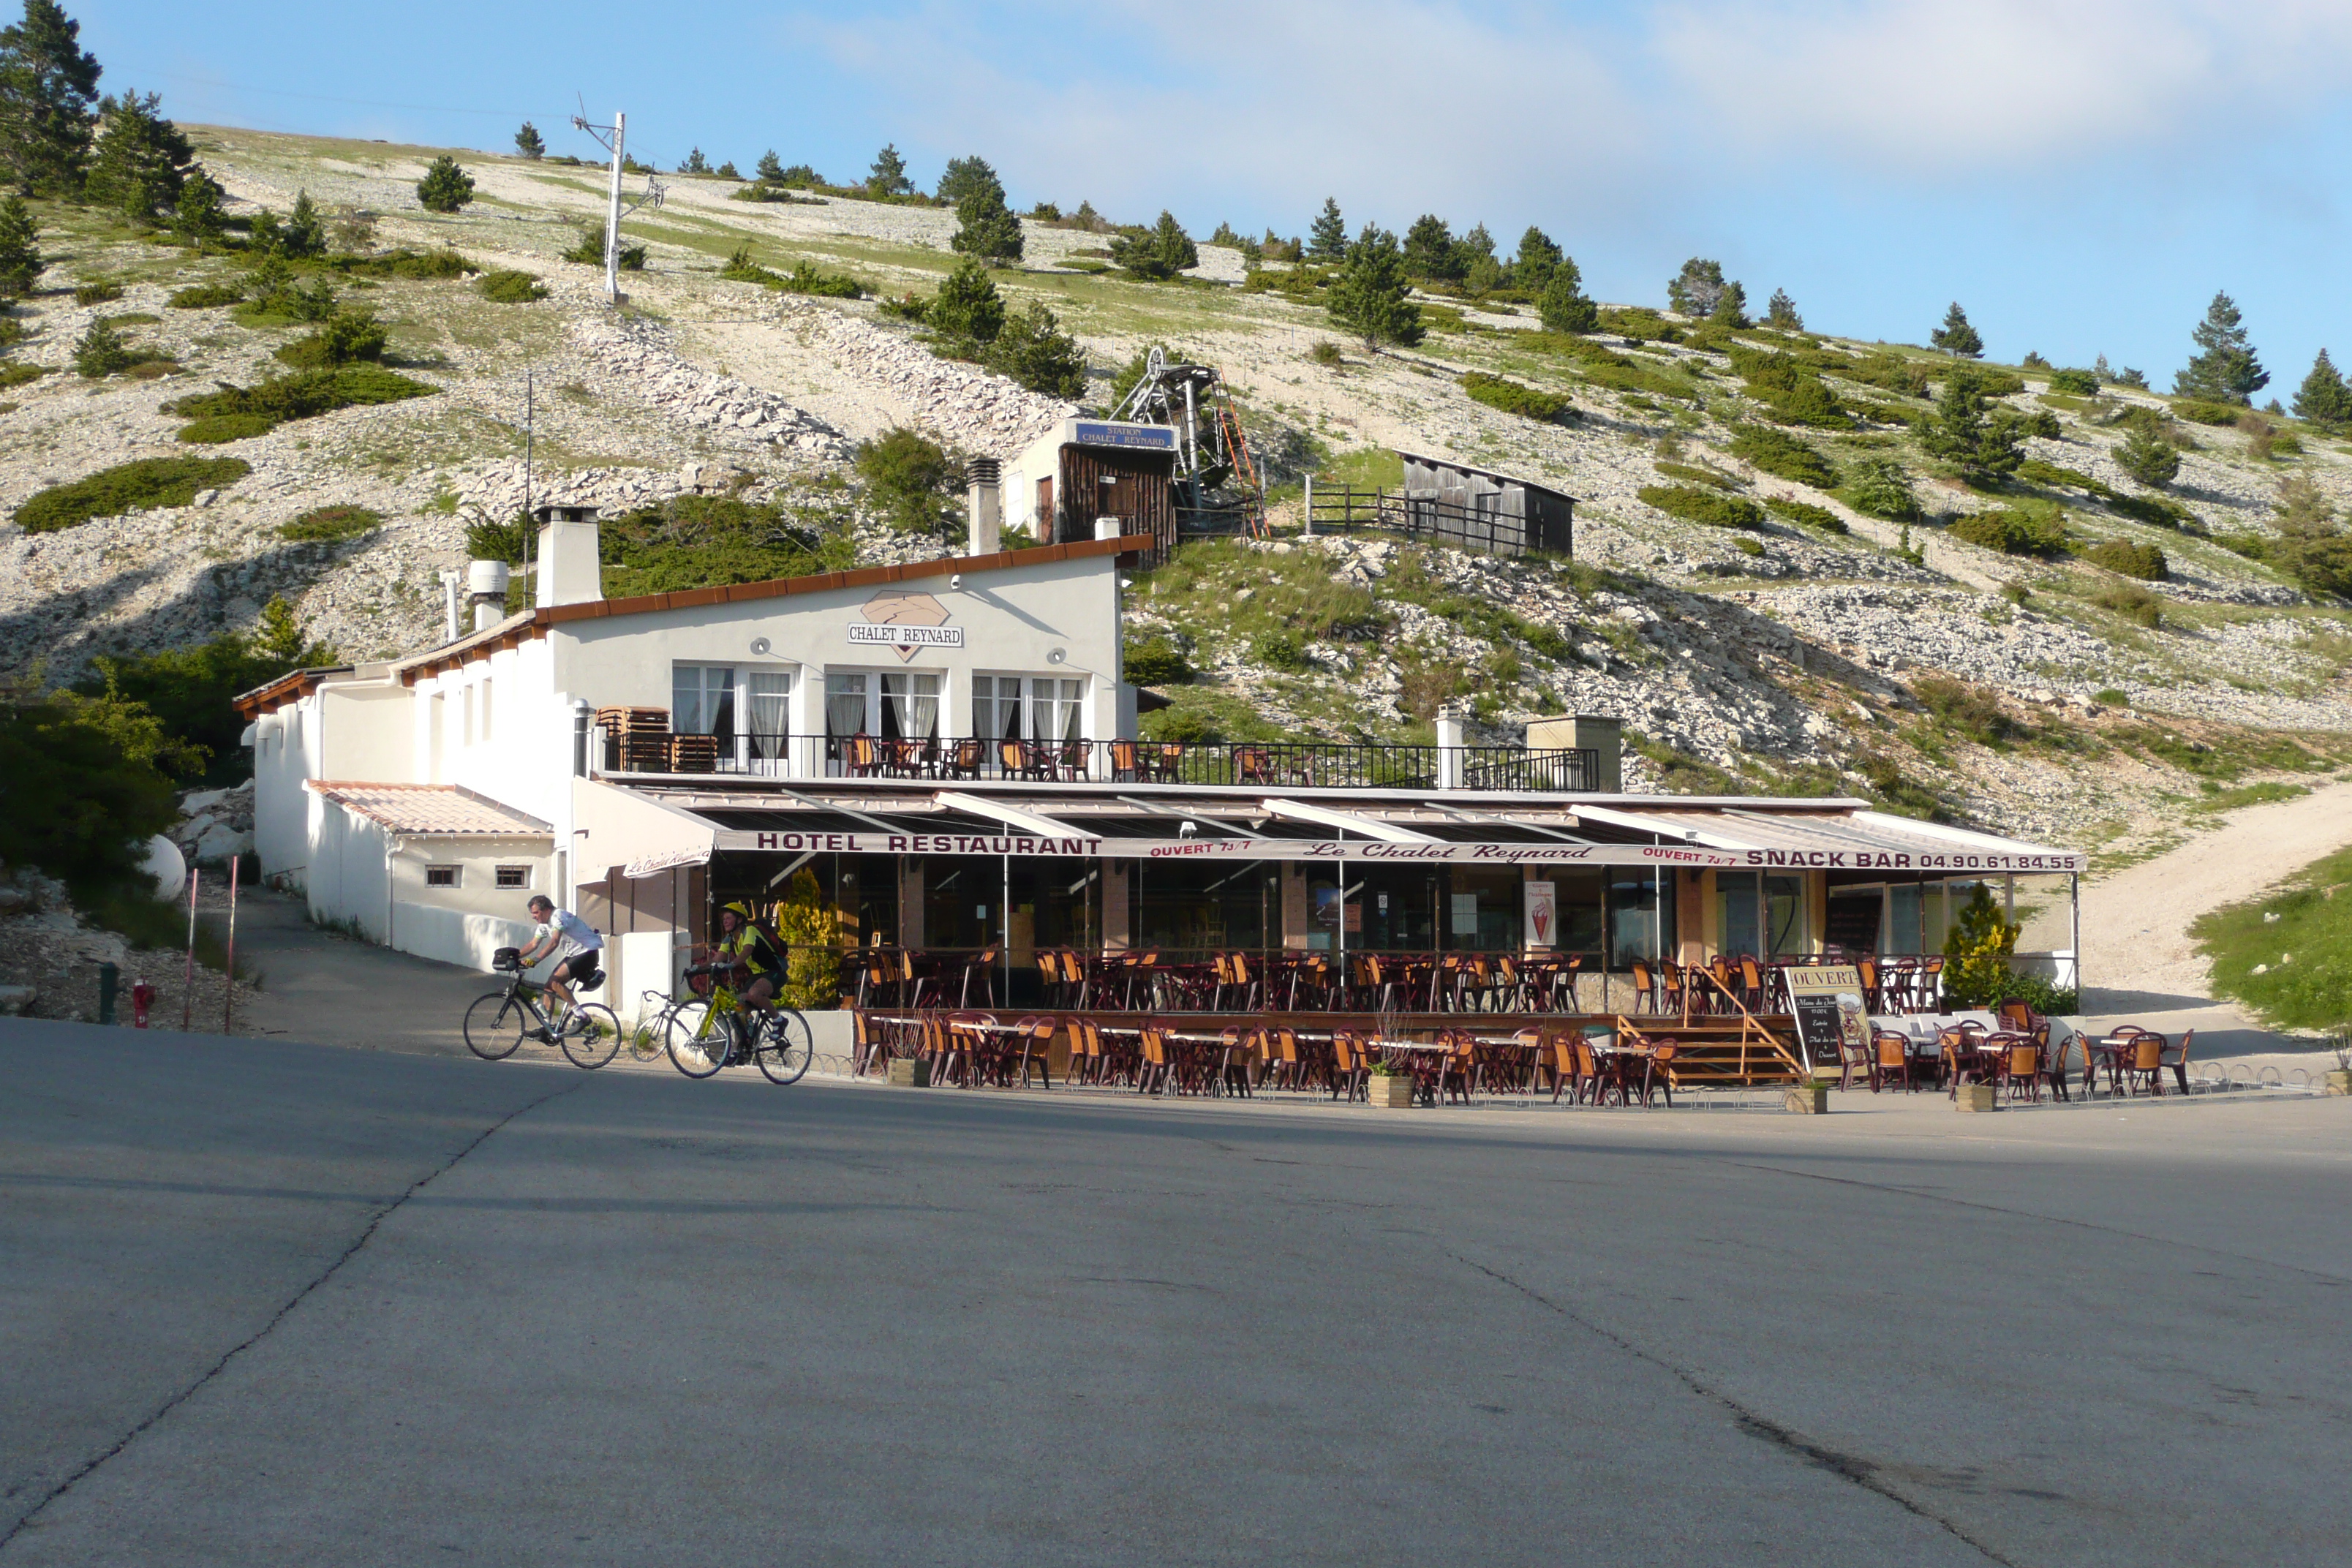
(960, 898)
(1028, 708)
(1576, 906)
(1195, 909)
(1853, 919)
(1739, 921)
(1482, 912)
(1641, 917)
(1784, 916)
(702, 699)
(1396, 909)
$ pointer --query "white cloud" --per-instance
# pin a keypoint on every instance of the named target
(1947, 83)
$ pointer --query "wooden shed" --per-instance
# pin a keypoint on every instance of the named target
(1085, 469)
(1482, 510)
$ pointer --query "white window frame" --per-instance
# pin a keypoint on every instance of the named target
(457, 875)
(521, 884)
(1063, 696)
(874, 697)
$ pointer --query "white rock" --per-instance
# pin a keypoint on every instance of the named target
(221, 844)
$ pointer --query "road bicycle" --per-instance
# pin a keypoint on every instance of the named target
(712, 1027)
(499, 1022)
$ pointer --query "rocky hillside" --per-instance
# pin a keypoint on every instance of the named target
(1814, 646)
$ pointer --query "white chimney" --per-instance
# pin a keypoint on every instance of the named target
(987, 477)
(449, 581)
(1449, 747)
(570, 572)
(486, 587)
(1108, 527)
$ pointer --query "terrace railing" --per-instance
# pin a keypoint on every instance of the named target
(1273, 765)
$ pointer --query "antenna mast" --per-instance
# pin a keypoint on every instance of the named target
(613, 209)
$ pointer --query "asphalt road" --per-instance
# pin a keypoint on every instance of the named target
(269, 1303)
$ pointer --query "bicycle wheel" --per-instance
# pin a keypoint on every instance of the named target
(646, 1040)
(591, 1034)
(698, 1042)
(786, 1046)
(494, 1026)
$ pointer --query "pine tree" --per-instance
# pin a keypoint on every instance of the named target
(306, 231)
(282, 639)
(100, 351)
(1694, 290)
(2146, 456)
(2225, 369)
(142, 160)
(1562, 304)
(726, 171)
(1982, 449)
(888, 175)
(1327, 239)
(446, 187)
(48, 96)
(696, 163)
(528, 143)
(1532, 267)
(198, 218)
(1033, 349)
(20, 249)
(1160, 253)
(772, 168)
(1956, 337)
(1730, 307)
(964, 177)
(989, 230)
(2323, 398)
(1429, 249)
(1781, 314)
(967, 311)
(1369, 296)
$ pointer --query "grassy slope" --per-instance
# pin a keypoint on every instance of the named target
(2305, 953)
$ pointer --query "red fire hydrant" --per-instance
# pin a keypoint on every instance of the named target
(142, 996)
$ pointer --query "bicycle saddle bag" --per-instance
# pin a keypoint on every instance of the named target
(507, 958)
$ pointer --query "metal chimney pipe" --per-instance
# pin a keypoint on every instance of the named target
(486, 586)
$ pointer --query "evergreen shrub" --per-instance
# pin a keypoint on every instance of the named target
(148, 483)
(1805, 512)
(224, 427)
(2013, 531)
(332, 524)
(2127, 558)
(1707, 507)
(98, 293)
(206, 297)
(1781, 454)
(505, 286)
(1512, 397)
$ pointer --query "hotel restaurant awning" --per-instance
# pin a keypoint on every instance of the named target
(680, 822)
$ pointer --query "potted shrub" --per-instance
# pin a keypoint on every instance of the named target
(1389, 1088)
(1810, 1099)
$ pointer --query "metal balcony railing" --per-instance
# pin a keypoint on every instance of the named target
(1315, 764)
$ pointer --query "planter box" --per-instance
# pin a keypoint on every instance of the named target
(2337, 1081)
(910, 1072)
(1389, 1093)
(1809, 1099)
(1980, 1096)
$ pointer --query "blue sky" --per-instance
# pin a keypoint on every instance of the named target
(2082, 175)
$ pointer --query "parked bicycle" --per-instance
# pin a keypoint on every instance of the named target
(498, 1023)
(711, 1028)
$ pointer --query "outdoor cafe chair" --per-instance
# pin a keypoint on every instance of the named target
(1755, 987)
(2107, 1054)
(1151, 1072)
(2144, 1064)
(2177, 1058)
(1657, 1070)
(2019, 1066)
(1234, 1062)
(981, 966)
(1033, 1049)
(2015, 1015)
(1890, 1057)
(1349, 1068)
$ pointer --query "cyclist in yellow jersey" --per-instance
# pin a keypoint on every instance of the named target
(742, 943)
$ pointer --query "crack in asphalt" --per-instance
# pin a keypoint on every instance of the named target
(367, 1233)
(2317, 1274)
(1852, 1468)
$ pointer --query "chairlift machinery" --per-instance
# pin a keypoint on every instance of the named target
(1215, 474)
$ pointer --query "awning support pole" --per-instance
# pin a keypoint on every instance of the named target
(2074, 899)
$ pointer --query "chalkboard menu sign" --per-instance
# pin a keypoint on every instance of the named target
(1827, 1001)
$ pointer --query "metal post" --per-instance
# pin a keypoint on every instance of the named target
(228, 1007)
(110, 981)
(528, 433)
(1311, 506)
(613, 216)
(188, 981)
(2074, 900)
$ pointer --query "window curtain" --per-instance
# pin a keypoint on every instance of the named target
(844, 704)
(770, 695)
(911, 706)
